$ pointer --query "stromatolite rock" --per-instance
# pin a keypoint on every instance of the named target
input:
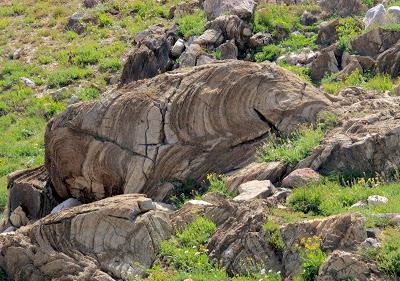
(178, 125)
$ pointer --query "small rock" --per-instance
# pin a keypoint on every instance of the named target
(373, 232)
(178, 48)
(376, 200)
(308, 19)
(260, 40)
(393, 14)
(359, 204)
(228, 50)
(59, 94)
(9, 229)
(28, 82)
(204, 59)
(78, 22)
(160, 206)
(146, 204)
(301, 177)
(281, 194)
(255, 190)
(90, 3)
(327, 33)
(73, 99)
(18, 217)
(370, 243)
(375, 16)
(306, 56)
(199, 203)
(17, 54)
(244, 9)
(69, 203)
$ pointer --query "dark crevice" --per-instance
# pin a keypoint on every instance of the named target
(262, 117)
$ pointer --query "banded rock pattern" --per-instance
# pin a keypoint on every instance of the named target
(177, 125)
(98, 241)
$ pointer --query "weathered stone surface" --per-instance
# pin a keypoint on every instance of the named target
(226, 28)
(327, 33)
(272, 171)
(375, 16)
(177, 125)
(308, 18)
(366, 140)
(303, 57)
(342, 265)
(18, 217)
(32, 191)
(228, 51)
(78, 22)
(374, 42)
(342, 8)
(178, 48)
(241, 8)
(191, 56)
(301, 177)
(90, 3)
(389, 61)
(343, 232)
(255, 190)
(69, 203)
(374, 200)
(259, 40)
(99, 241)
(324, 63)
(149, 57)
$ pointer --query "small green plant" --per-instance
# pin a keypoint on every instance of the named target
(389, 253)
(197, 233)
(291, 149)
(269, 52)
(66, 76)
(313, 257)
(88, 94)
(192, 24)
(298, 42)
(381, 83)
(218, 184)
(347, 29)
(110, 64)
(275, 238)
(105, 20)
(218, 54)
(302, 71)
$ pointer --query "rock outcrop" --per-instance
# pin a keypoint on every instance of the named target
(366, 141)
(242, 8)
(342, 8)
(106, 240)
(389, 61)
(178, 125)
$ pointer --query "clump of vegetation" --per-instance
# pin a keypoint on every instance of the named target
(66, 76)
(192, 24)
(298, 42)
(268, 53)
(217, 184)
(330, 197)
(347, 29)
(388, 255)
(291, 149)
(313, 257)
(379, 82)
(302, 71)
(275, 20)
(275, 238)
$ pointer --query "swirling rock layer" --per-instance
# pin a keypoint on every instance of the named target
(177, 125)
(106, 240)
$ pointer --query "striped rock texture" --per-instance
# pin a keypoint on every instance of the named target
(107, 240)
(178, 125)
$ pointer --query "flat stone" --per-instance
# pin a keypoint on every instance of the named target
(255, 190)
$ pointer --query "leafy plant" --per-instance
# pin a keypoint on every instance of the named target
(192, 24)
(347, 29)
(66, 76)
(299, 41)
(313, 257)
(218, 184)
(291, 149)
(269, 52)
(275, 238)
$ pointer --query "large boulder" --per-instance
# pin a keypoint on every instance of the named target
(324, 63)
(150, 55)
(389, 61)
(342, 8)
(106, 240)
(178, 125)
(241, 8)
(374, 42)
(375, 16)
(327, 33)
(366, 140)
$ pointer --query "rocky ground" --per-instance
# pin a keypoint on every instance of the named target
(200, 140)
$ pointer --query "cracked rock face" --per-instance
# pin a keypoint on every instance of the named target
(366, 140)
(177, 125)
(106, 240)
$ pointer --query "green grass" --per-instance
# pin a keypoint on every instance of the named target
(66, 76)
(275, 238)
(268, 53)
(291, 149)
(330, 198)
(192, 24)
(347, 29)
(298, 42)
